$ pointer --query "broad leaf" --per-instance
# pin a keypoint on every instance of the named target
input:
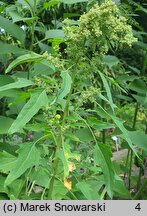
(32, 57)
(120, 125)
(9, 48)
(50, 3)
(139, 86)
(108, 91)
(5, 124)
(66, 85)
(87, 188)
(99, 125)
(38, 99)
(84, 135)
(54, 33)
(66, 155)
(20, 83)
(12, 29)
(7, 161)
(40, 175)
(120, 190)
(139, 138)
(102, 157)
(73, 1)
(28, 156)
(110, 60)
(59, 190)
(5, 79)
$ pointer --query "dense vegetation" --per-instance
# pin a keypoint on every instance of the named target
(73, 99)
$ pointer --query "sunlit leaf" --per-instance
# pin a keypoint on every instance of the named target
(65, 87)
(32, 57)
(38, 99)
(20, 83)
(28, 156)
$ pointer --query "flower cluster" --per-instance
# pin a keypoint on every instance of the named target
(56, 61)
(98, 28)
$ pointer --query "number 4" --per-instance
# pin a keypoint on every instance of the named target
(138, 207)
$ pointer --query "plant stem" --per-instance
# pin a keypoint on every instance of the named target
(126, 164)
(139, 194)
(103, 106)
(130, 170)
(59, 142)
(131, 156)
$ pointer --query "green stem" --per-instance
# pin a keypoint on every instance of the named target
(131, 156)
(135, 116)
(142, 189)
(144, 65)
(130, 170)
(139, 178)
(59, 142)
(126, 164)
(103, 106)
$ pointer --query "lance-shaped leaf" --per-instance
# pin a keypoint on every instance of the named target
(20, 83)
(13, 29)
(108, 91)
(31, 57)
(66, 85)
(102, 157)
(65, 154)
(38, 99)
(28, 156)
(120, 125)
(9, 48)
(73, 1)
(54, 33)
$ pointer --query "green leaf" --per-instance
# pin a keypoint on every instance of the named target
(141, 99)
(2, 188)
(99, 125)
(65, 154)
(120, 190)
(50, 3)
(41, 176)
(15, 188)
(6, 123)
(65, 87)
(102, 157)
(28, 156)
(138, 85)
(108, 91)
(7, 161)
(20, 83)
(9, 48)
(16, 17)
(43, 68)
(59, 190)
(139, 138)
(84, 135)
(32, 57)
(111, 61)
(86, 187)
(12, 29)
(54, 33)
(38, 99)
(120, 125)
(4, 80)
(73, 1)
